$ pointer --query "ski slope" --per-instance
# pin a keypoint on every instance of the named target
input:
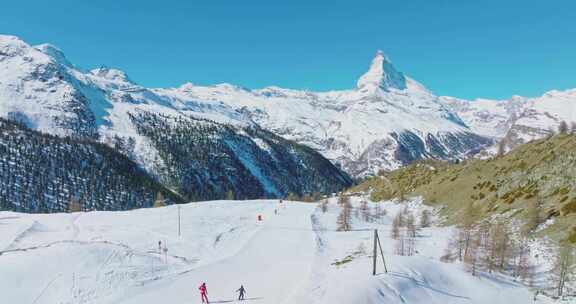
(289, 257)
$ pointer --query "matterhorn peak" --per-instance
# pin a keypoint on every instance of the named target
(381, 75)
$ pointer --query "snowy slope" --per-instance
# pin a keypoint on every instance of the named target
(112, 257)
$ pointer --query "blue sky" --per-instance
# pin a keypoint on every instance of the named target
(461, 48)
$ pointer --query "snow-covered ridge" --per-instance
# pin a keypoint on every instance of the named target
(519, 119)
(386, 121)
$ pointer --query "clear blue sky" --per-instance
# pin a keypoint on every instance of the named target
(461, 48)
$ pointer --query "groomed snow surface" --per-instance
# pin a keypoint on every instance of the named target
(289, 257)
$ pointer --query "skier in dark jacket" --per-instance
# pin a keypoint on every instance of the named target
(242, 292)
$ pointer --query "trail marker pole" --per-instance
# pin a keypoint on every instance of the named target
(179, 221)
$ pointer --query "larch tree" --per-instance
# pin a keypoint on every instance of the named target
(159, 202)
(501, 147)
(411, 225)
(533, 216)
(525, 269)
(365, 211)
(563, 267)
(401, 243)
(573, 127)
(344, 220)
(396, 225)
(563, 127)
(378, 212)
(230, 195)
(425, 218)
(468, 222)
(473, 253)
(324, 205)
(74, 205)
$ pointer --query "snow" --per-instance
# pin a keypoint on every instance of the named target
(112, 257)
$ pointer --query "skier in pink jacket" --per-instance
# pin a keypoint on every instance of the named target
(204, 293)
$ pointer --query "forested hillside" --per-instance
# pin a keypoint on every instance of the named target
(205, 160)
(45, 173)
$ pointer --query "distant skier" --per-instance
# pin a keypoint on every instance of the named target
(165, 250)
(204, 293)
(242, 292)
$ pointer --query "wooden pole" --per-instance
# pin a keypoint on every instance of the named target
(381, 252)
(374, 252)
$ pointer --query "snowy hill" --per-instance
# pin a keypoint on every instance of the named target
(295, 256)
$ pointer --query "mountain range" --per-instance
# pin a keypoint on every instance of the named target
(386, 121)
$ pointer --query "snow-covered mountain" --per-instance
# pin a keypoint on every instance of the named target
(161, 132)
(517, 120)
(387, 121)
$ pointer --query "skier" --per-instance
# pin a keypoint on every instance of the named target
(165, 249)
(204, 293)
(242, 292)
